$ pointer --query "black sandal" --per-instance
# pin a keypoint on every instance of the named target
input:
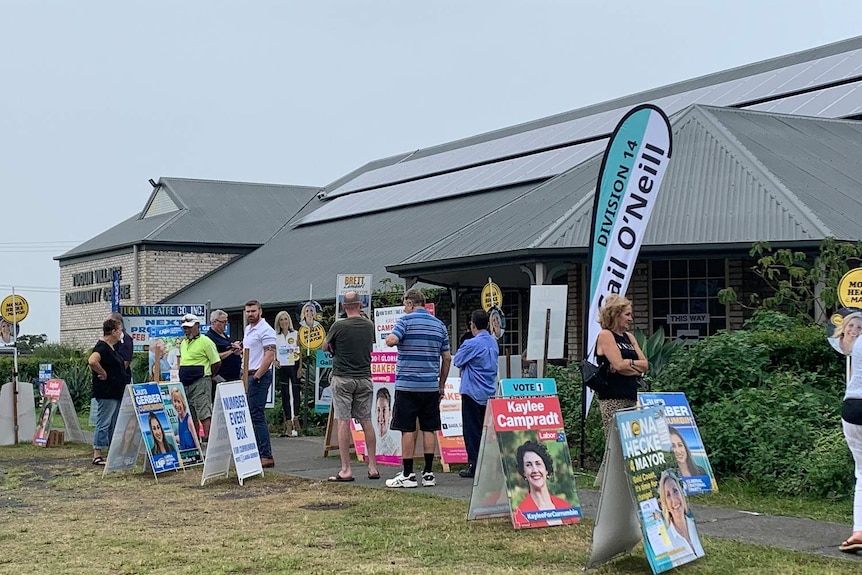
(99, 461)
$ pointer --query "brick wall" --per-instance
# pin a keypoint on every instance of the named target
(166, 272)
(161, 273)
(81, 324)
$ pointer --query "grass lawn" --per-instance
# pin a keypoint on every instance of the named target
(59, 512)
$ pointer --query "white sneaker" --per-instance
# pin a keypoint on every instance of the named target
(294, 433)
(402, 480)
(428, 480)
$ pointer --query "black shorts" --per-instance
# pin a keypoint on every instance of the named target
(412, 405)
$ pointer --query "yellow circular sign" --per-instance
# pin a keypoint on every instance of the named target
(850, 289)
(312, 338)
(491, 296)
(14, 308)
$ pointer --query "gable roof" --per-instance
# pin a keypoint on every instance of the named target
(188, 211)
(736, 177)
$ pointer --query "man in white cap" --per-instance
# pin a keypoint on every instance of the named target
(199, 362)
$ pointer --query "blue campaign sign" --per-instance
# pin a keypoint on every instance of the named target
(46, 371)
(688, 450)
(523, 387)
(324, 359)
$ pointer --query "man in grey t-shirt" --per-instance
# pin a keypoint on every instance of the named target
(350, 342)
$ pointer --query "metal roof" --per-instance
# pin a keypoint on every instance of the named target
(736, 177)
(824, 81)
(280, 271)
(208, 212)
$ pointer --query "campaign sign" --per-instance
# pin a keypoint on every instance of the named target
(138, 319)
(523, 387)
(177, 409)
(156, 428)
(43, 425)
(688, 451)
(46, 371)
(667, 523)
(57, 400)
(451, 435)
(388, 440)
(383, 366)
(232, 436)
(322, 390)
(536, 461)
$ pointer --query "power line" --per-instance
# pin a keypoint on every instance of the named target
(20, 288)
(39, 243)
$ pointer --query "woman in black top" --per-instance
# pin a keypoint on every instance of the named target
(618, 347)
(109, 383)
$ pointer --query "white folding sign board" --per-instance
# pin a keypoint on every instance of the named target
(542, 299)
(26, 414)
(232, 436)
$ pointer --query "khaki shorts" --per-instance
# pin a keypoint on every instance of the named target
(351, 397)
(199, 395)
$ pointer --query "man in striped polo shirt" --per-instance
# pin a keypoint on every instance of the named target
(420, 382)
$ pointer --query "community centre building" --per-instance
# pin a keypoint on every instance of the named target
(764, 152)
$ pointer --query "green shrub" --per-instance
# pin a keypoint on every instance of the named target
(715, 367)
(569, 393)
(79, 381)
(769, 434)
(827, 471)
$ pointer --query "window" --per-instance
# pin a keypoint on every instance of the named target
(684, 297)
(510, 343)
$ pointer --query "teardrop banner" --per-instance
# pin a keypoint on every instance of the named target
(629, 182)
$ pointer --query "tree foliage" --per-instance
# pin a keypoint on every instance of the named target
(799, 284)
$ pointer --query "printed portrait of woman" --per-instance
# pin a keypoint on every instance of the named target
(535, 466)
(161, 443)
(496, 322)
(682, 454)
(308, 314)
(678, 520)
(185, 427)
(7, 336)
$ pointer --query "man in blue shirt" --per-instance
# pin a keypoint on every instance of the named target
(420, 382)
(477, 360)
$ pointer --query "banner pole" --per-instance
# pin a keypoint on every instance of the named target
(14, 367)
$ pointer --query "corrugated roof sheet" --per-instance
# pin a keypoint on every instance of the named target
(209, 213)
(281, 270)
(736, 177)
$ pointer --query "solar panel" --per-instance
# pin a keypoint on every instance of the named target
(537, 166)
(753, 87)
(837, 102)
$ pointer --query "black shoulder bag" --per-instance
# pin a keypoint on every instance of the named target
(594, 377)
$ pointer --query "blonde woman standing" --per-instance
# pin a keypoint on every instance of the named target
(618, 347)
(288, 361)
(847, 341)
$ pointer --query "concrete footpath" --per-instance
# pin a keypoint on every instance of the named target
(303, 457)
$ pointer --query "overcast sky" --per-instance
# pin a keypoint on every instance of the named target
(98, 97)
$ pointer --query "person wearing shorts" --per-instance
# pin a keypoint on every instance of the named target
(199, 362)
(350, 342)
(420, 382)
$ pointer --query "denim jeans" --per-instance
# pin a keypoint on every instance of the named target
(106, 420)
(257, 391)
